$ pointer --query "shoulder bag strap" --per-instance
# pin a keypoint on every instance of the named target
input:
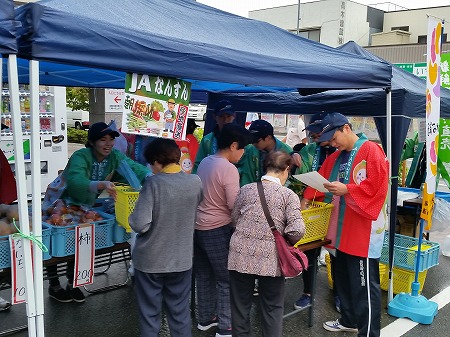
(262, 197)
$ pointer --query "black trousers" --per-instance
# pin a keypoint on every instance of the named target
(271, 297)
(358, 284)
(52, 273)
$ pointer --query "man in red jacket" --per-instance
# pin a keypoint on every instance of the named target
(358, 173)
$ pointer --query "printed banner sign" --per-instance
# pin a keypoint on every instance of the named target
(433, 104)
(155, 106)
(84, 255)
(444, 150)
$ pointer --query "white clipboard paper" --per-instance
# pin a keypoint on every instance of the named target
(313, 179)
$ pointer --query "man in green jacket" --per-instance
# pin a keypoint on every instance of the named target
(223, 114)
(251, 165)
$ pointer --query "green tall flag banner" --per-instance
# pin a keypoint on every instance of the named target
(444, 150)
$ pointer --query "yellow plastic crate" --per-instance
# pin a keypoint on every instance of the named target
(125, 202)
(402, 279)
(316, 220)
(330, 277)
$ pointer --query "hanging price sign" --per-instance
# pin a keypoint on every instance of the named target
(84, 255)
(18, 281)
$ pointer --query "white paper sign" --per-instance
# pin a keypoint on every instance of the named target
(84, 255)
(313, 179)
(18, 281)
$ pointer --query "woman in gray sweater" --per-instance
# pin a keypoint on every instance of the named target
(164, 219)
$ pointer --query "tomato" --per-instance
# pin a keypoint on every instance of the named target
(156, 116)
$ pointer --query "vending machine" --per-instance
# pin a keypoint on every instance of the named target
(53, 133)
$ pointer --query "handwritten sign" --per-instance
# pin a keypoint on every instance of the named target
(18, 281)
(84, 255)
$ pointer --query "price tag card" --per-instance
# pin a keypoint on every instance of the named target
(84, 255)
(18, 281)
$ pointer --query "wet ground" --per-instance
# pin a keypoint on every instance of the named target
(114, 313)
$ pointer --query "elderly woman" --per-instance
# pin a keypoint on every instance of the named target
(164, 220)
(253, 253)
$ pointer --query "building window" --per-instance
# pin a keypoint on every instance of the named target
(423, 38)
(313, 34)
(403, 28)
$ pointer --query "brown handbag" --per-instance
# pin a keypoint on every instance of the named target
(292, 260)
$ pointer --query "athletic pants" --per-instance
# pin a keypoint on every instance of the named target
(358, 286)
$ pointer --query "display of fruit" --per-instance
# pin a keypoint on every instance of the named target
(60, 214)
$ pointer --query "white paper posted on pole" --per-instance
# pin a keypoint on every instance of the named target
(18, 280)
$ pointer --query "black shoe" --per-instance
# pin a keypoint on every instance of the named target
(76, 294)
(59, 294)
(4, 304)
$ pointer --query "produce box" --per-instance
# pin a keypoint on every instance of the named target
(5, 252)
(125, 203)
(316, 220)
(63, 237)
(405, 252)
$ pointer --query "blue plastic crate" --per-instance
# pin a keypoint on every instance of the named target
(405, 252)
(63, 237)
(5, 252)
(120, 234)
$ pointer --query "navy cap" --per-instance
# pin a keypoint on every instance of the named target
(330, 124)
(100, 130)
(260, 129)
(223, 107)
(315, 124)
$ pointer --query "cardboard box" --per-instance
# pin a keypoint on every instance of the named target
(407, 223)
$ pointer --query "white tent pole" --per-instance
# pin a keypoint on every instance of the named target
(389, 156)
(36, 192)
(21, 187)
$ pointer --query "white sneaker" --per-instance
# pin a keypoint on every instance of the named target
(4, 304)
(336, 326)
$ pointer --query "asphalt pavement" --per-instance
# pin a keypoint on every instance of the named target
(114, 313)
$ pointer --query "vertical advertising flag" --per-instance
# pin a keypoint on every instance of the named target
(444, 150)
(155, 106)
(432, 116)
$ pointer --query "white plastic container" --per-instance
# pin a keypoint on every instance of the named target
(446, 246)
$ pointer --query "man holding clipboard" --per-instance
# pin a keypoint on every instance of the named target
(358, 175)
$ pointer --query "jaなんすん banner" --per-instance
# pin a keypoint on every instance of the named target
(155, 106)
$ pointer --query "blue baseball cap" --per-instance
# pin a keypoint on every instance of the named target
(224, 107)
(330, 124)
(315, 124)
(260, 129)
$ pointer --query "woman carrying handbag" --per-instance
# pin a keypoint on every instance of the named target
(253, 252)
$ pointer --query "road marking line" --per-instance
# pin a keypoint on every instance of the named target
(403, 325)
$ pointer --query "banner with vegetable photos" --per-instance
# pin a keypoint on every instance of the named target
(155, 106)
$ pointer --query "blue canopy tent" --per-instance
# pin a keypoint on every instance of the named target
(200, 43)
